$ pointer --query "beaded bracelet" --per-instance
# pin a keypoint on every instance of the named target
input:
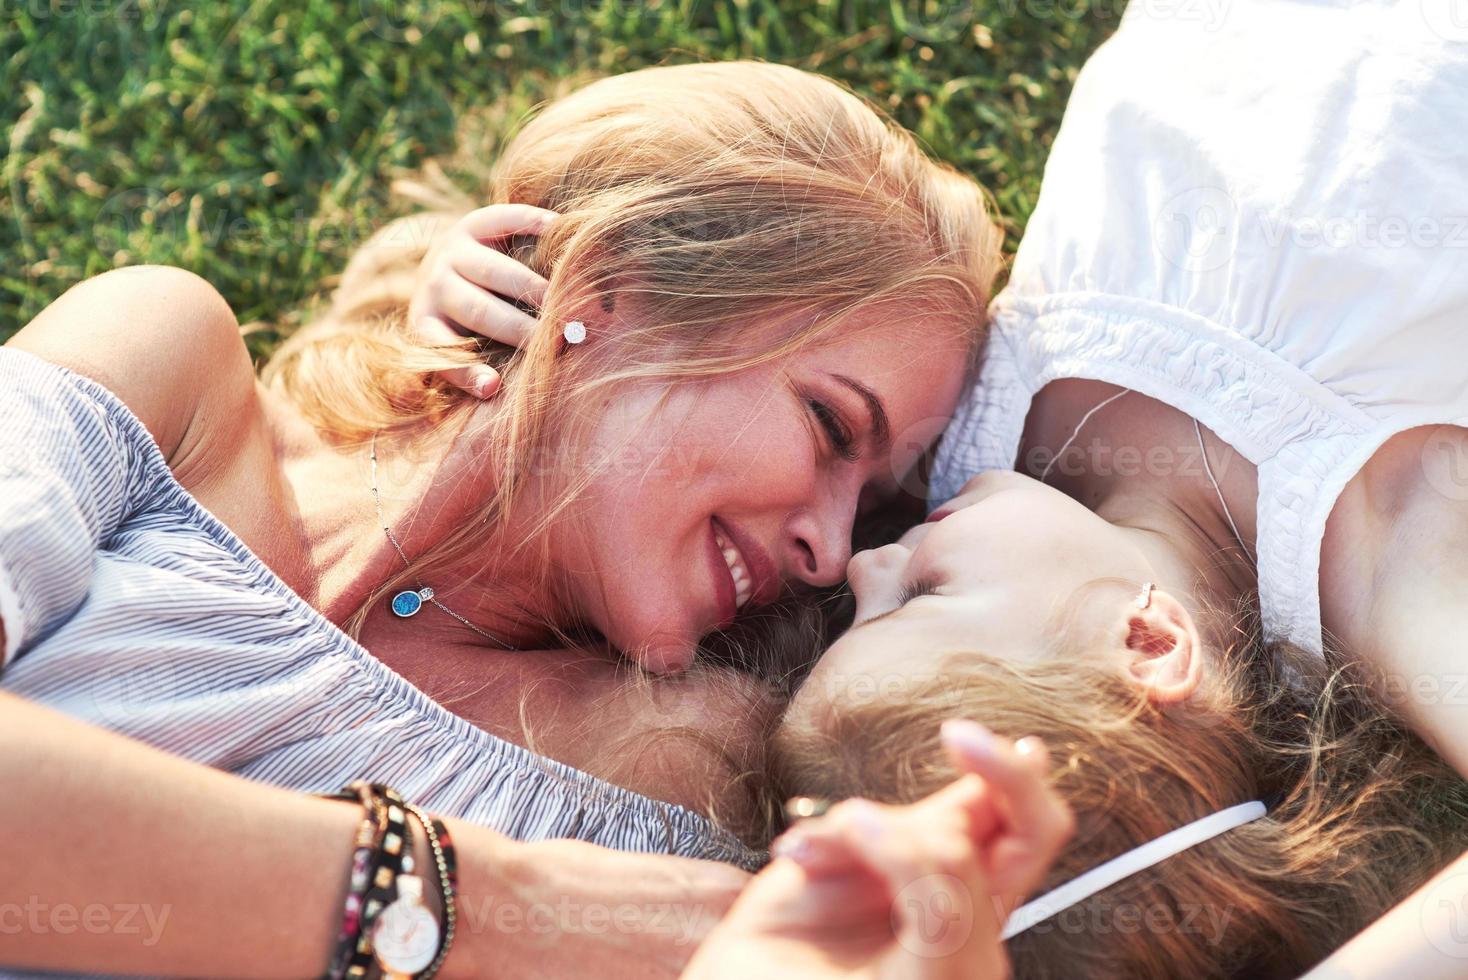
(364, 847)
(445, 860)
(377, 860)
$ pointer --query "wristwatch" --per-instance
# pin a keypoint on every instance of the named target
(406, 933)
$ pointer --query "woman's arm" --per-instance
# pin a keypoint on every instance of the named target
(124, 859)
(1425, 937)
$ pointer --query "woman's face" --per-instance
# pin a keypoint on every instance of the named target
(998, 570)
(721, 493)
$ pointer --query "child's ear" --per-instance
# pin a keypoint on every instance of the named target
(1161, 649)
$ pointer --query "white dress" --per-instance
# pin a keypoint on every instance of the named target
(1256, 212)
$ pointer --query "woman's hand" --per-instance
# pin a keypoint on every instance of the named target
(910, 892)
(468, 285)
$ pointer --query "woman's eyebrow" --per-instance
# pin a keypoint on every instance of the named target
(881, 428)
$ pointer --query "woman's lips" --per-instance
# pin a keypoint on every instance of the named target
(725, 607)
(743, 573)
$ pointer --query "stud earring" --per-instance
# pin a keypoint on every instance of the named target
(1144, 597)
(575, 332)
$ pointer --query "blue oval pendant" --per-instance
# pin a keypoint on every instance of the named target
(405, 604)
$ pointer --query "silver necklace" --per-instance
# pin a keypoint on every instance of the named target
(1207, 467)
(408, 602)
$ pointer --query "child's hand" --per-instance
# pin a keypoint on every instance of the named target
(466, 283)
(915, 892)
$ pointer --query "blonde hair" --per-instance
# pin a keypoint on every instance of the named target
(740, 212)
(1360, 811)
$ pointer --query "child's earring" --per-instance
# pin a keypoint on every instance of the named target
(1144, 597)
(575, 332)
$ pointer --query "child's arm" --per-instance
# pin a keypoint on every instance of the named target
(468, 285)
(1425, 937)
(1394, 581)
(919, 891)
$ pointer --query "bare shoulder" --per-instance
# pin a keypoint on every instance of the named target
(1394, 569)
(164, 341)
(1410, 500)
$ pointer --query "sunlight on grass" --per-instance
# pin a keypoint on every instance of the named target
(255, 142)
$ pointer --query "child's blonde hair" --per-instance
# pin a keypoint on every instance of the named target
(738, 212)
(1360, 812)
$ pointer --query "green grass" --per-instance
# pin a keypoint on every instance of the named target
(255, 142)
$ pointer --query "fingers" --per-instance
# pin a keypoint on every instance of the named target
(465, 284)
(500, 221)
(479, 380)
(481, 312)
(940, 910)
(497, 272)
(1037, 821)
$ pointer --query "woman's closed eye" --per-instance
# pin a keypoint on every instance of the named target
(843, 443)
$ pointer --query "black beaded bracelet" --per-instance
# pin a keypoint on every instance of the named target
(377, 860)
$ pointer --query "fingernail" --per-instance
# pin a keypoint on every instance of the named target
(792, 846)
(866, 817)
(968, 737)
(546, 220)
(485, 387)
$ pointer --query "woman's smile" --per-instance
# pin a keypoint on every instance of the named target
(748, 572)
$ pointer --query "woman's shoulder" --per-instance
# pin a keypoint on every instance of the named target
(165, 343)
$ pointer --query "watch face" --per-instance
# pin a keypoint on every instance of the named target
(405, 937)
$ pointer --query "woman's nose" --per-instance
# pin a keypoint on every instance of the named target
(820, 559)
(820, 544)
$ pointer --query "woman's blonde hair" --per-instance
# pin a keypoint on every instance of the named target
(733, 213)
(1361, 812)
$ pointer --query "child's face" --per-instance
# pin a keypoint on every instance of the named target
(1009, 566)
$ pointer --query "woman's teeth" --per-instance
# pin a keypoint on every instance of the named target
(742, 585)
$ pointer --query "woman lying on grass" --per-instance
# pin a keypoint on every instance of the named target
(329, 712)
(1260, 417)
(180, 546)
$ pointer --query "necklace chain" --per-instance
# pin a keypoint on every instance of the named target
(1208, 467)
(377, 503)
